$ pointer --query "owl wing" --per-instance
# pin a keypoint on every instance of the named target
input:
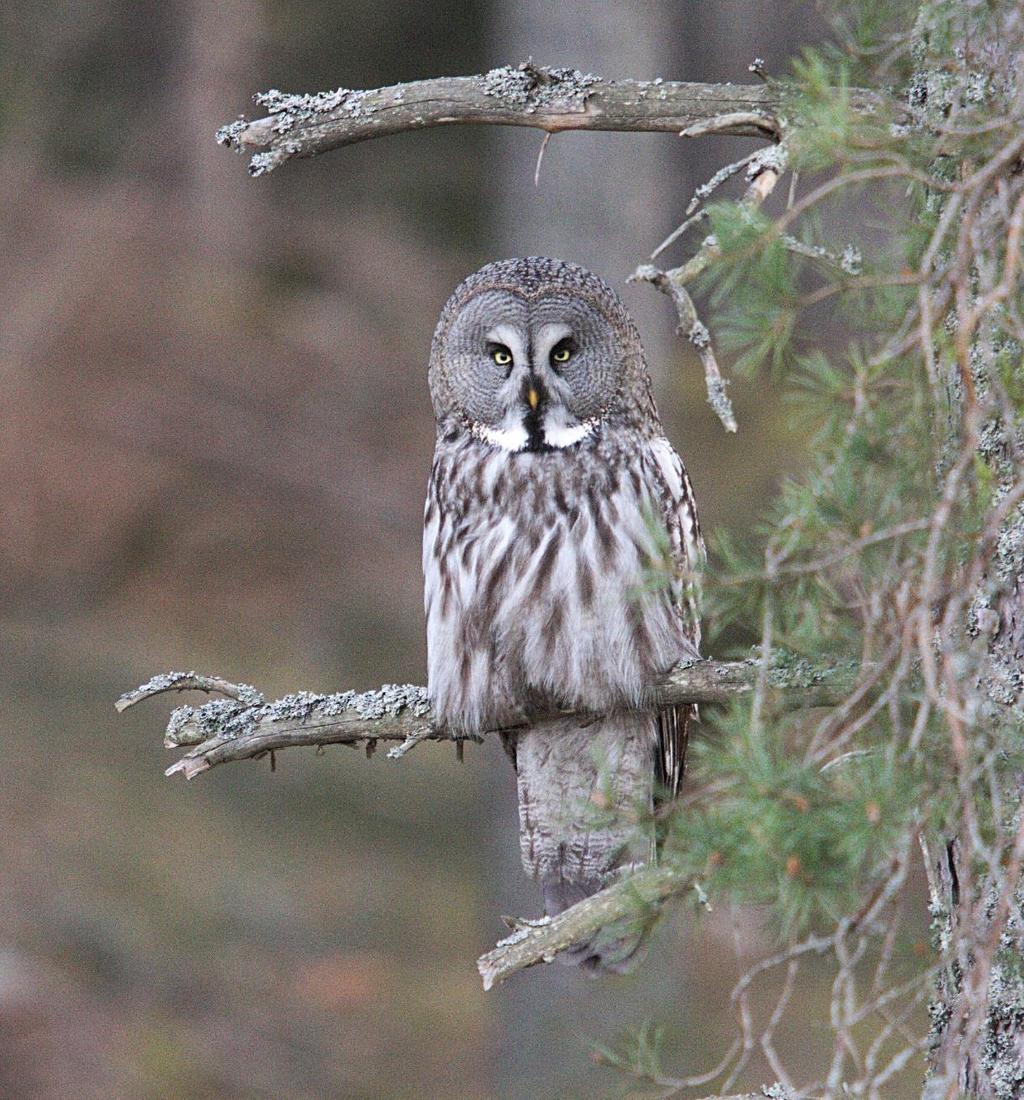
(688, 557)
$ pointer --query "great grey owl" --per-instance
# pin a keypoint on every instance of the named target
(560, 550)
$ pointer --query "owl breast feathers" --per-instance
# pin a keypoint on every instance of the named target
(561, 554)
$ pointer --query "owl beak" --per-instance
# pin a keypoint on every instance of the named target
(532, 397)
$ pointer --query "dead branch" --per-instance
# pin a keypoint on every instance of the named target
(763, 169)
(550, 99)
(243, 726)
(637, 897)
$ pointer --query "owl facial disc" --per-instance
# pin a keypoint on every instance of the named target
(535, 413)
(537, 355)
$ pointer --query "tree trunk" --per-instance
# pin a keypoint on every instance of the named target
(963, 50)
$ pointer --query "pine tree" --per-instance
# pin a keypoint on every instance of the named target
(900, 551)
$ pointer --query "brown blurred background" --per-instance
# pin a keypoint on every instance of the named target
(215, 440)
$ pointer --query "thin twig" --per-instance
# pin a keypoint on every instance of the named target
(540, 158)
(188, 681)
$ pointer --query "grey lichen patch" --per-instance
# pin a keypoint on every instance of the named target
(229, 134)
(164, 681)
(262, 163)
(520, 934)
(1003, 685)
(772, 158)
(179, 728)
(218, 718)
(1001, 1054)
(528, 87)
(289, 111)
(291, 108)
(189, 681)
(646, 273)
(791, 671)
(850, 260)
(719, 401)
(1010, 547)
(390, 700)
(249, 695)
(706, 189)
(226, 719)
(699, 336)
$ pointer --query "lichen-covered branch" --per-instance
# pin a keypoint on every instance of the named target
(638, 898)
(243, 726)
(550, 99)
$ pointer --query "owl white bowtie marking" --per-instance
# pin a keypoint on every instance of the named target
(560, 550)
(517, 437)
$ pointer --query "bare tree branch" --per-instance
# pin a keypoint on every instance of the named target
(550, 99)
(188, 681)
(637, 897)
(763, 169)
(243, 726)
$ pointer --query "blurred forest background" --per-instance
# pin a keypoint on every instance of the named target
(215, 442)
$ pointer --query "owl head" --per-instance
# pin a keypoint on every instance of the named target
(535, 355)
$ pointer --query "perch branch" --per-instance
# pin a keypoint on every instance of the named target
(242, 726)
(550, 99)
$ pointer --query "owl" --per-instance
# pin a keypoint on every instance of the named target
(561, 554)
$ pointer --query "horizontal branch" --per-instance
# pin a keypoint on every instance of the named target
(243, 726)
(550, 99)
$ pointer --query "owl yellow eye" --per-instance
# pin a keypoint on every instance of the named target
(501, 355)
(562, 351)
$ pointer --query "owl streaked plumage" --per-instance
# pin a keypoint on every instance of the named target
(560, 551)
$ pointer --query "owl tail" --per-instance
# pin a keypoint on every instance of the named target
(585, 799)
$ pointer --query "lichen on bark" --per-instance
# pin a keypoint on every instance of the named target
(967, 56)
